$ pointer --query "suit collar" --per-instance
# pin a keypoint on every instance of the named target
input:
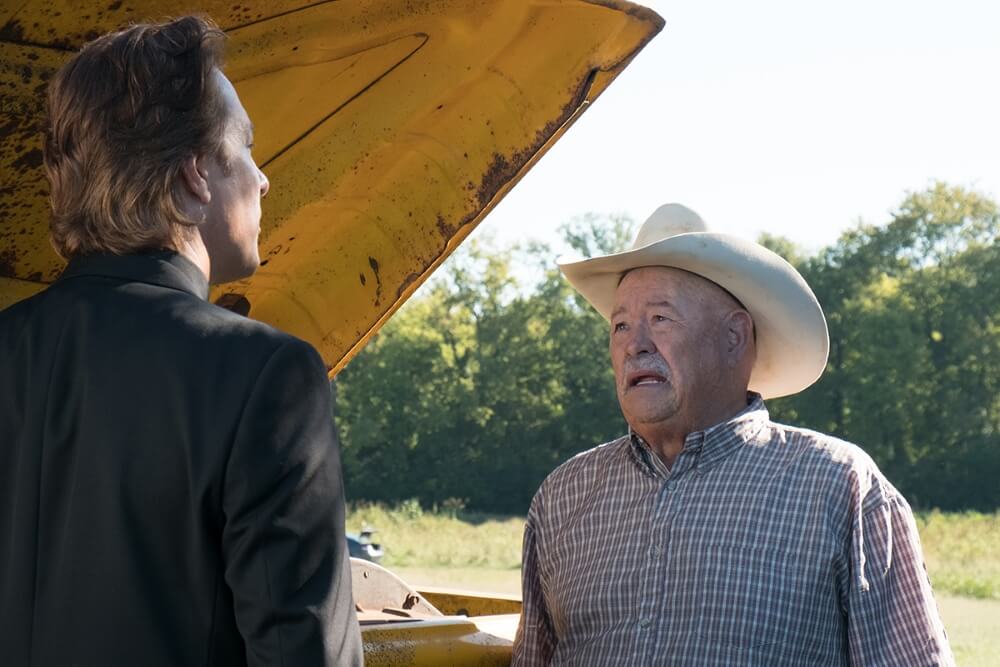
(162, 267)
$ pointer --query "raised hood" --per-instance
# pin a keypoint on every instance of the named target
(388, 130)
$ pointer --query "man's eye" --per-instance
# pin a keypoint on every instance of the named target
(618, 326)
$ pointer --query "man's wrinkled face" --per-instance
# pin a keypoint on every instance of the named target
(666, 345)
(236, 185)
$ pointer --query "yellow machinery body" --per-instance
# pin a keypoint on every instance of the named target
(388, 130)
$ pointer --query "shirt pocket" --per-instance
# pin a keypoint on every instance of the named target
(751, 598)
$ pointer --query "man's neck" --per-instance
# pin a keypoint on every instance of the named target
(194, 249)
(667, 438)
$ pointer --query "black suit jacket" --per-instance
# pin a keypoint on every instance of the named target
(170, 486)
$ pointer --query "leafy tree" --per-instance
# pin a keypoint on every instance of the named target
(912, 312)
(481, 385)
(476, 390)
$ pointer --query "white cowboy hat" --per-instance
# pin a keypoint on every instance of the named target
(792, 339)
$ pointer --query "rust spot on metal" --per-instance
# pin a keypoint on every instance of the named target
(503, 169)
(372, 262)
(7, 129)
(406, 283)
(635, 11)
(12, 31)
(30, 160)
(446, 230)
(7, 261)
(497, 174)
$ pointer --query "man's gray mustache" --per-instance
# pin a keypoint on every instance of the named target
(658, 367)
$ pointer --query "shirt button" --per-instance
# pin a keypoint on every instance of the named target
(645, 623)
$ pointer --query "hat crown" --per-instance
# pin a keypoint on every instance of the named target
(666, 221)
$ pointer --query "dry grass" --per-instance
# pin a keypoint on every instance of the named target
(962, 551)
(455, 549)
(973, 629)
(413, 537)
(506, 582)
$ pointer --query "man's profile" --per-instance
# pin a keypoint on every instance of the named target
(170, 486)
(710, 535)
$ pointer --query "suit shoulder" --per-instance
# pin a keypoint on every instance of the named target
(238, 333)
(216, 318)
(21, 309)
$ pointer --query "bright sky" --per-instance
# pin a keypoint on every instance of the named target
(796, 118)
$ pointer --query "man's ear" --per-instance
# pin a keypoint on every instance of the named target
(739, 335)
(193, 176)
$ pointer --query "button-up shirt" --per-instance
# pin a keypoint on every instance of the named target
(762, 545)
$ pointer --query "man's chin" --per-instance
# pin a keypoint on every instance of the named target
(232, 273)
(649, 409)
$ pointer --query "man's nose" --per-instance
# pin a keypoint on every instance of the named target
(639, 341)
(265, 185)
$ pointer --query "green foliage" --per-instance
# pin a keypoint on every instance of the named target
(480, 386)
(477, 390)
(914, 367)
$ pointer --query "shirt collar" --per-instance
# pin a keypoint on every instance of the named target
(705, 449)
(162, 267)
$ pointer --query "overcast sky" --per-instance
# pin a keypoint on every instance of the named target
(796, 118)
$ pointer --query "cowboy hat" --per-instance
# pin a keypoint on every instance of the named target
(792, 339)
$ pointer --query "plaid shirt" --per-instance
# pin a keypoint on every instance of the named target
(762, 545)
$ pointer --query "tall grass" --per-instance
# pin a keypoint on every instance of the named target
(441, 537)
(962, 550)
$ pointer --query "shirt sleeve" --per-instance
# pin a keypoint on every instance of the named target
(535, 641)
(892, 617)
(283, 542)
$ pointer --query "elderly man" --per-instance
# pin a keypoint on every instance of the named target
(710, 535)
(170, 488)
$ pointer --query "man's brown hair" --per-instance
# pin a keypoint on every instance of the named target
(124, 114)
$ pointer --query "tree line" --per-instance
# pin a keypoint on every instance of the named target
(481, 385)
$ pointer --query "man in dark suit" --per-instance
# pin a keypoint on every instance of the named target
(170, 487)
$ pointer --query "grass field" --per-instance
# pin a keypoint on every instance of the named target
(457, 549)
(963, 553)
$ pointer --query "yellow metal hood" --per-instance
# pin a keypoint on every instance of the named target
(388, 131)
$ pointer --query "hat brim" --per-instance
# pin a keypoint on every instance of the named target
(792, 338)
